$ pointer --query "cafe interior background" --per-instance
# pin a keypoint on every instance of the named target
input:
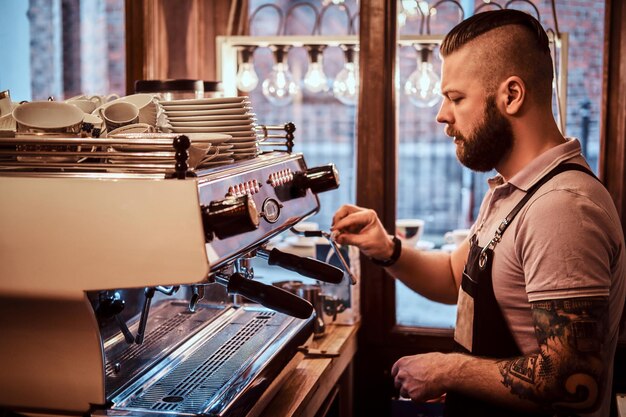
(381, 133)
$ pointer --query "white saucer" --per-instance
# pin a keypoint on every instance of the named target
(209, 112)
(229, 125)
(227, 130)
(243, 145)
(224, 118)
(238, 139)
(451, 247)
(204, 107)
(214, 163)
(209, 100)
(425, 245)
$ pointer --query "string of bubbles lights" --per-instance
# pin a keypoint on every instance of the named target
(422, 87)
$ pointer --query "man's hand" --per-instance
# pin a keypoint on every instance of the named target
(423, 377)
(353, 225)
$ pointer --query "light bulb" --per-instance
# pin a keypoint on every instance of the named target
(401, 19)
(327, 2)
(409, 7)
(315, 80)
(423, 85)
(279, 87)
(346, 85)
(247, 80)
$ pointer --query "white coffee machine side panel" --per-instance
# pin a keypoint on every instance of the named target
(51, 356)
(60, 237)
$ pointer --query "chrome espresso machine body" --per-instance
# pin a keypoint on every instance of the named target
(115, 283)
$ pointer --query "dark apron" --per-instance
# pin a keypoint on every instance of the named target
(485, 332)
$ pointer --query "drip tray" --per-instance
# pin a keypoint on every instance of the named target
(222, 370)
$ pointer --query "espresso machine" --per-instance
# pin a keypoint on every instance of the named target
(127, 289)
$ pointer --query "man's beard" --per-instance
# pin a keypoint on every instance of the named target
(489, 143)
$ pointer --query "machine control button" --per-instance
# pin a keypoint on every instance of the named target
(250, 187)
(281, 177)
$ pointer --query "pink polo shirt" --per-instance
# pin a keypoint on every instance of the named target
(566, 242)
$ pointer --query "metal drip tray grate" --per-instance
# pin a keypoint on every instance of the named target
(136, 351)
(204, 378)
(169, 325)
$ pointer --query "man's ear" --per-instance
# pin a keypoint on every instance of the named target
(512, 93)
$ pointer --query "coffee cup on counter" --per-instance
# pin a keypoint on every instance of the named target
(409, 231)
(456, 237)
(119, 114)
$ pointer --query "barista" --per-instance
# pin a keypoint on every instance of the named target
(540, 282)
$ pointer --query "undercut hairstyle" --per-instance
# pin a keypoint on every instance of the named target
(505, 43)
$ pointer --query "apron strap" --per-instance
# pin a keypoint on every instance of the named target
(531, 191)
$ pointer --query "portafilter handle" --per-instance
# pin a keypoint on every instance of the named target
(267, 295)
(307, 267)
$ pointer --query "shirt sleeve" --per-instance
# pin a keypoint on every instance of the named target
(565, 244)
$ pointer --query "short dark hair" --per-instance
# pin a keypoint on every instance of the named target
(480, 23)
(526, 54)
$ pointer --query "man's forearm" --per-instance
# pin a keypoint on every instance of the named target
(427, 273)
(568, 372)
(483, 378)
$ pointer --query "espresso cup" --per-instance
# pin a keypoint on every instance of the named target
(409, 230)
(456, 236)
(146, 104)
(119, 114)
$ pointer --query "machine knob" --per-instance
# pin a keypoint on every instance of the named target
(318, 179)
(230, 217)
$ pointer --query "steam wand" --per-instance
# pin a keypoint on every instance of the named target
(149, 293)
(335, 247)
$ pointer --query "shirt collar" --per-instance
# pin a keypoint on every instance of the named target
(540, 166)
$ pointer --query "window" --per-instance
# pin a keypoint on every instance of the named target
(62, 48)
(432, 185)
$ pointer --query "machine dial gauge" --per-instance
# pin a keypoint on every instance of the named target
(271, 210)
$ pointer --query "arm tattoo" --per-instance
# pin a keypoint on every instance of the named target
(568, 370)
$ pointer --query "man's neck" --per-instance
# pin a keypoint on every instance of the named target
(528, 143)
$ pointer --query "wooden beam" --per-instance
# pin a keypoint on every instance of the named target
(613, 130)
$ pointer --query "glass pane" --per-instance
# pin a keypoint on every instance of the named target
(62, 48)
(432, 185)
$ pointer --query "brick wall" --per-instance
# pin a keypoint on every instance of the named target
(432, 184)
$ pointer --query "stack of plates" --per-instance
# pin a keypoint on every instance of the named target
(207, 150)
(226, 115)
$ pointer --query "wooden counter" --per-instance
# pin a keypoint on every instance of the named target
(309, 382)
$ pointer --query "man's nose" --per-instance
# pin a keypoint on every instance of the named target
(443, 115)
